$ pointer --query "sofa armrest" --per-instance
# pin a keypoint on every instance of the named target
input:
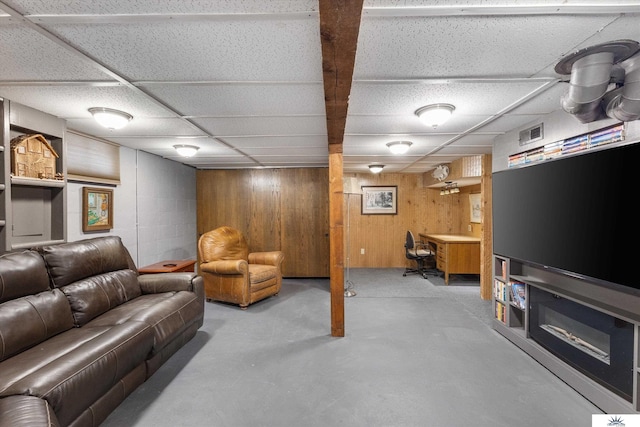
(266, 258)
(167, 282)
(26, 411)
(227, 266)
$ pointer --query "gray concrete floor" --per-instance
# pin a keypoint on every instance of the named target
(416, 353)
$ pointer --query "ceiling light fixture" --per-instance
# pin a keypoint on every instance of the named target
(186, 150)
(109, 118)
(435, 114)
(399, 147)
(449, 188)
(376, 168)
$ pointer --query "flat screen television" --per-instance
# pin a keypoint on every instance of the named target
(573, 214)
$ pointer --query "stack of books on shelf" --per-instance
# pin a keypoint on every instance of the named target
(499, 290)
(501, 312)
(517, 294)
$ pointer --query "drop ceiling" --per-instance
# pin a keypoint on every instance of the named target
(243, 80)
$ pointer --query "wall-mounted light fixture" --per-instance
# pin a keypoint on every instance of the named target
(376, 168)
(435, 114)
(449, 188)
(186, 150)
(110, 118)
(399, 147)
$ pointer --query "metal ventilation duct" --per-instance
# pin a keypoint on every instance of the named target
(625, 105)
(592, 71)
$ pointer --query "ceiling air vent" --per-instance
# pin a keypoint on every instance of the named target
(530, 135)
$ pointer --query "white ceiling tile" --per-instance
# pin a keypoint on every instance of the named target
(204, 50)
(27, 56)
(464, 46)
(242, 99)
(48, 7)
(138, 126)
(74, 101)
(279, 142)
(262, 152)
(248, 125)
(470, 98)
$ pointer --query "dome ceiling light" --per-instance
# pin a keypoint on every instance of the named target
(110, 118)
(435, 114)
(376, 168)
(186, 150)
(399, 147)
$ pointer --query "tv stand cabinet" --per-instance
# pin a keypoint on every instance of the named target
(513, 322)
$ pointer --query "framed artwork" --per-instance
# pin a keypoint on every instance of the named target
(97, 209)
(474, 207)
(379, 200)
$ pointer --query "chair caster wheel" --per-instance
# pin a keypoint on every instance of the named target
(404, 274)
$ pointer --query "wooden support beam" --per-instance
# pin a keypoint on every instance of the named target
(339, 27)
(336, 244)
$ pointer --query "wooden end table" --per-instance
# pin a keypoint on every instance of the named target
(169, 266)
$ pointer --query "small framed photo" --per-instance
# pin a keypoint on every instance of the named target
(380, 200)
(97, 209)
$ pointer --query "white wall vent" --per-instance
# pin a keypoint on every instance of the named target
(532, 134)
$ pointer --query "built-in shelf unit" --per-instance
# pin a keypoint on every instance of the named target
(585, 333)
(32, 210)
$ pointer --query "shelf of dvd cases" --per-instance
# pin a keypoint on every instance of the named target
(500, 302)
(509, 295)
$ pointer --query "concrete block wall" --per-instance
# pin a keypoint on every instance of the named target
(154, 208)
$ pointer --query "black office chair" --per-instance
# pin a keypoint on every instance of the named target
(422, 254)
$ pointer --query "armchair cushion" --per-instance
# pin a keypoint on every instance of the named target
(223, 243)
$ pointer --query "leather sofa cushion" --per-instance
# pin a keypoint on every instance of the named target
(74, 369)
(21, 274)
(168, 314)
(26, 411)
(30, 320)
(96, 295)
(73, 261)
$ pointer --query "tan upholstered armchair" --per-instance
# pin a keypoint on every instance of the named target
(232, 274)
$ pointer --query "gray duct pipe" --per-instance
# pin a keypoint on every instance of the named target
(624, 105)
(590, 78)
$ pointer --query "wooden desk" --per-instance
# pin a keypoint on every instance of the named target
(455, 254)
(169, 266)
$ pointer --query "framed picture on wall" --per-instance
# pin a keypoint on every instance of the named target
(380, 200)
(97, 209)
(475, 201)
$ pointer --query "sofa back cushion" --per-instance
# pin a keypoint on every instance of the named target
(73, 261)
(30, 320)
(98, 294)
(21, 274)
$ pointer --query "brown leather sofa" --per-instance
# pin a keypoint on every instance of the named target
(80, 330)
(233, 274)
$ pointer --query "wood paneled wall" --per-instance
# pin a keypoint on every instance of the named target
(420, 209)
(276, 209)
(287, 209)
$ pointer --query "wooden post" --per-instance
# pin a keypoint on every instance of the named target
(336, 244)
(486, 248)
(339, 28)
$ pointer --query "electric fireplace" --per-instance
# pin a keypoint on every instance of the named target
(595, 343)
